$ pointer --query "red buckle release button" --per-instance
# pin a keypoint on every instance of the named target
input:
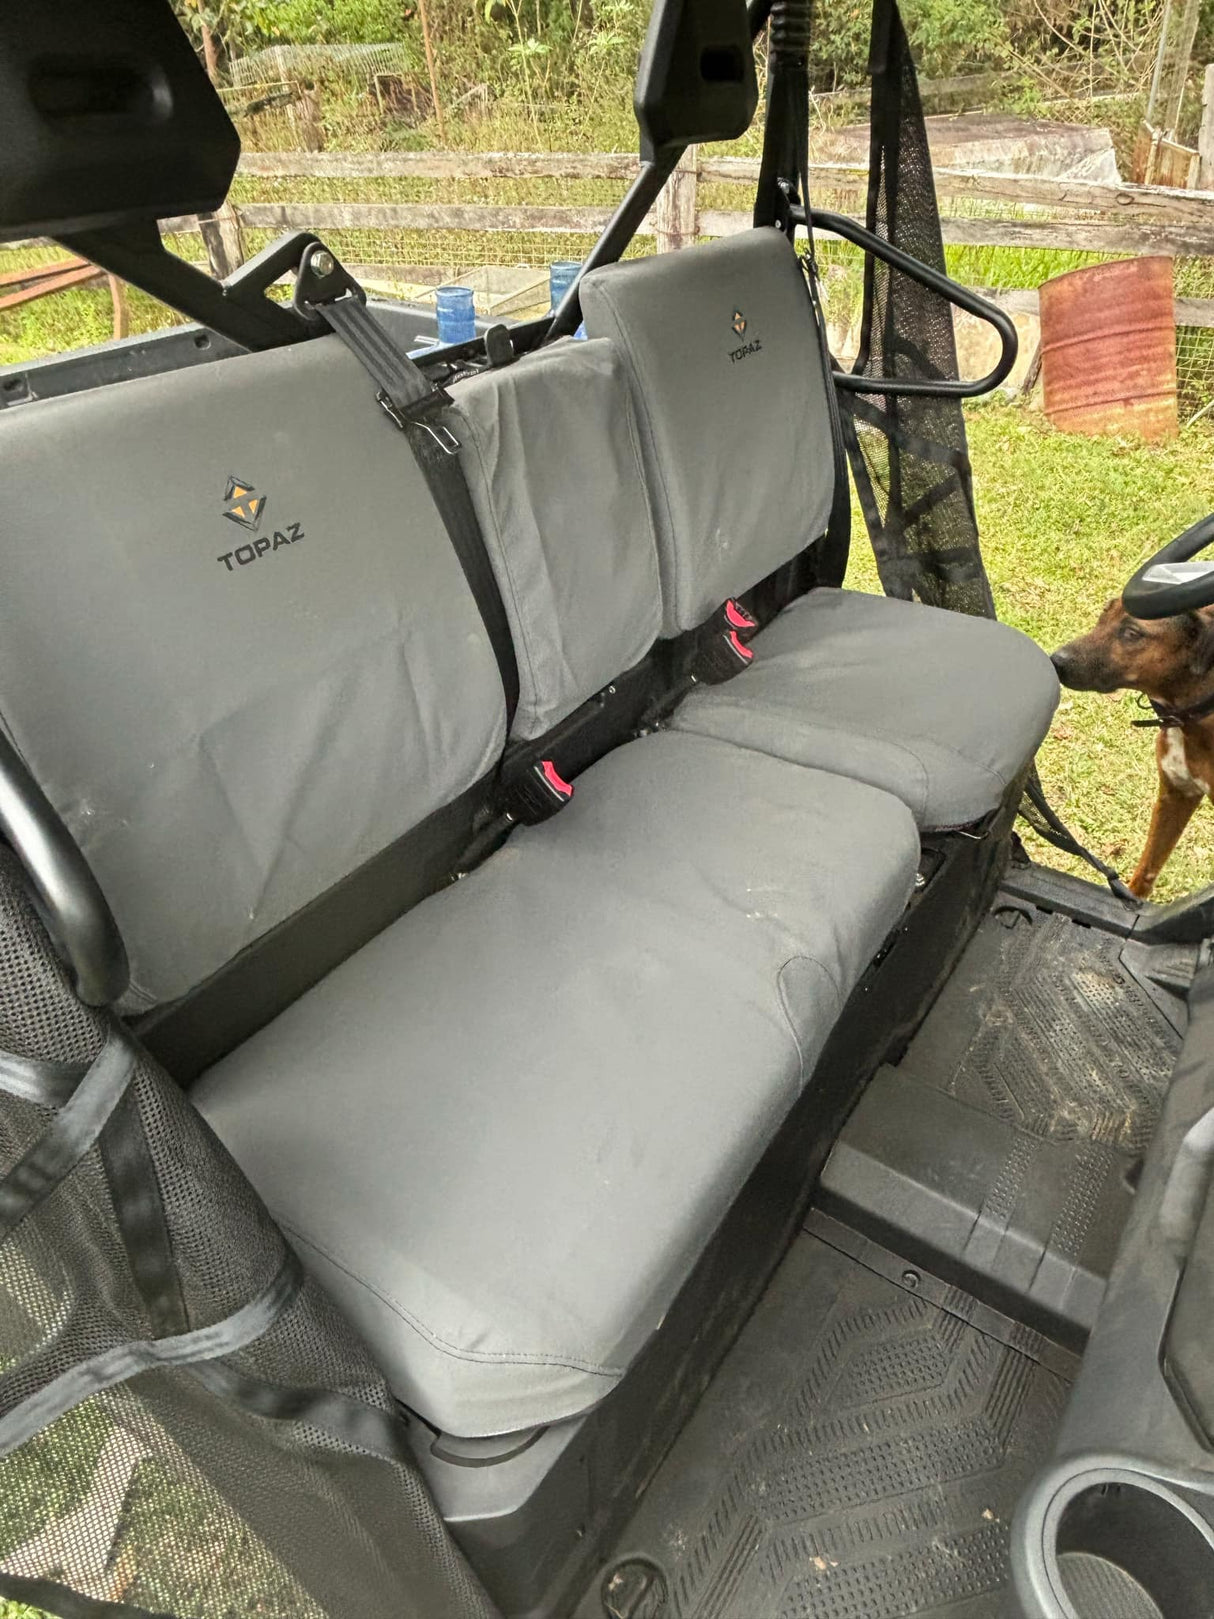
(560, 787)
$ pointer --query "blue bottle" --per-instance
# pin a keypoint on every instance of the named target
(456, 314)
(561, 275)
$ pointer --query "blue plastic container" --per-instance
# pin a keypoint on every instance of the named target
(561, 277)
(456, 314)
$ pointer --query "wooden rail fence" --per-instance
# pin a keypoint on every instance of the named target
(1099, 217)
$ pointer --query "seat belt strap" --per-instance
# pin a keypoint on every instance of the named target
(1040, 814)
(325, 288)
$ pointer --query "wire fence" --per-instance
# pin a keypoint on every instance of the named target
(359, 63)
(493, 225)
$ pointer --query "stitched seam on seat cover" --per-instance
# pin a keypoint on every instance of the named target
(784, 1007)
(622, 339)
(879, 735)
(638, 466)
(746, 709)
(520, 1357)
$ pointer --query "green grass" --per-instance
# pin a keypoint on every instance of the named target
(1065, 520)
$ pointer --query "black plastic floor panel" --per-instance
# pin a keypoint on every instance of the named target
(859, 1456)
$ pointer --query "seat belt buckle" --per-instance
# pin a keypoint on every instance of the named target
(724, 650)
(737, 618)
(536, 794)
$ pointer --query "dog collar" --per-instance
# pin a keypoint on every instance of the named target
(1169, 718)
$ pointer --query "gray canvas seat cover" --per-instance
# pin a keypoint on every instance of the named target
(504, 1131)
(553, 464)
(939, 708)
(236, 647)
(731, 400)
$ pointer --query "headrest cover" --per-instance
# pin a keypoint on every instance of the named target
(730, 394)
(106, 118)
(555, 473)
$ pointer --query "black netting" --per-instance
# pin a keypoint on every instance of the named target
(909, 454)
(269, 1473)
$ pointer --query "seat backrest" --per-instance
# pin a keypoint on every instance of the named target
(237, 649)
(553, 463)
(730, 394)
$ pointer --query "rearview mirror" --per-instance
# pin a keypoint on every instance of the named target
(696, 81)
(106, 118)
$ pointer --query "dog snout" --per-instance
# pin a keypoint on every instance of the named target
(1064, 661)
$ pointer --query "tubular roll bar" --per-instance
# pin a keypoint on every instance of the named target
(65, 893)
(962, 297)
(638, 200)
(621, 228)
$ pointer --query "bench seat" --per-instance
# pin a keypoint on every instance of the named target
(502, 1133)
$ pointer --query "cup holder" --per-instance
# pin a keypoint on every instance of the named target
(1096, 1586)
(1119, 1545)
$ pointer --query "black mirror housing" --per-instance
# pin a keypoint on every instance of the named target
(107, 118)
(696, 80)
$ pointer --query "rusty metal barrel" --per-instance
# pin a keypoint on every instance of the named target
(1108, 349)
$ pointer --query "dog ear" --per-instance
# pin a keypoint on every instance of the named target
(1199, 627)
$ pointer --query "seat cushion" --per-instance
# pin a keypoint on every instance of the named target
(939, 708)
(503, 1132)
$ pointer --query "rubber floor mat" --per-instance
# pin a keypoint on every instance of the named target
(858, 1456)
(1044, 1024)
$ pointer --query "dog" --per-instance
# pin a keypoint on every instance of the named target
(1171, 662)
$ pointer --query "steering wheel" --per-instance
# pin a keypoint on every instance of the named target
(1170, 583)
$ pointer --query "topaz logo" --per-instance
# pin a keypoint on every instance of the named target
(245, 507)
(243, 504)
(738, 326)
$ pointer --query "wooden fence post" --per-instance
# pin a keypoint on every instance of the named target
(223, 239)
(676, 214)
(1205, 140)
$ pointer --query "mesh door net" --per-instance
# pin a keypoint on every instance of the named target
(909, 454)
(187, 1427)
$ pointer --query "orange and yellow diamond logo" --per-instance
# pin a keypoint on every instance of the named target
(243, 505)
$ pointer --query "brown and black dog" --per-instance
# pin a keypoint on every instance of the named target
(1171, 661)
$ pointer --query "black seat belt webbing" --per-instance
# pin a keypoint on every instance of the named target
(445, 476)
(1048, 824)
(412, 402)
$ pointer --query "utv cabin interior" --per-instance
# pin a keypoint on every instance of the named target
(536, 1079)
